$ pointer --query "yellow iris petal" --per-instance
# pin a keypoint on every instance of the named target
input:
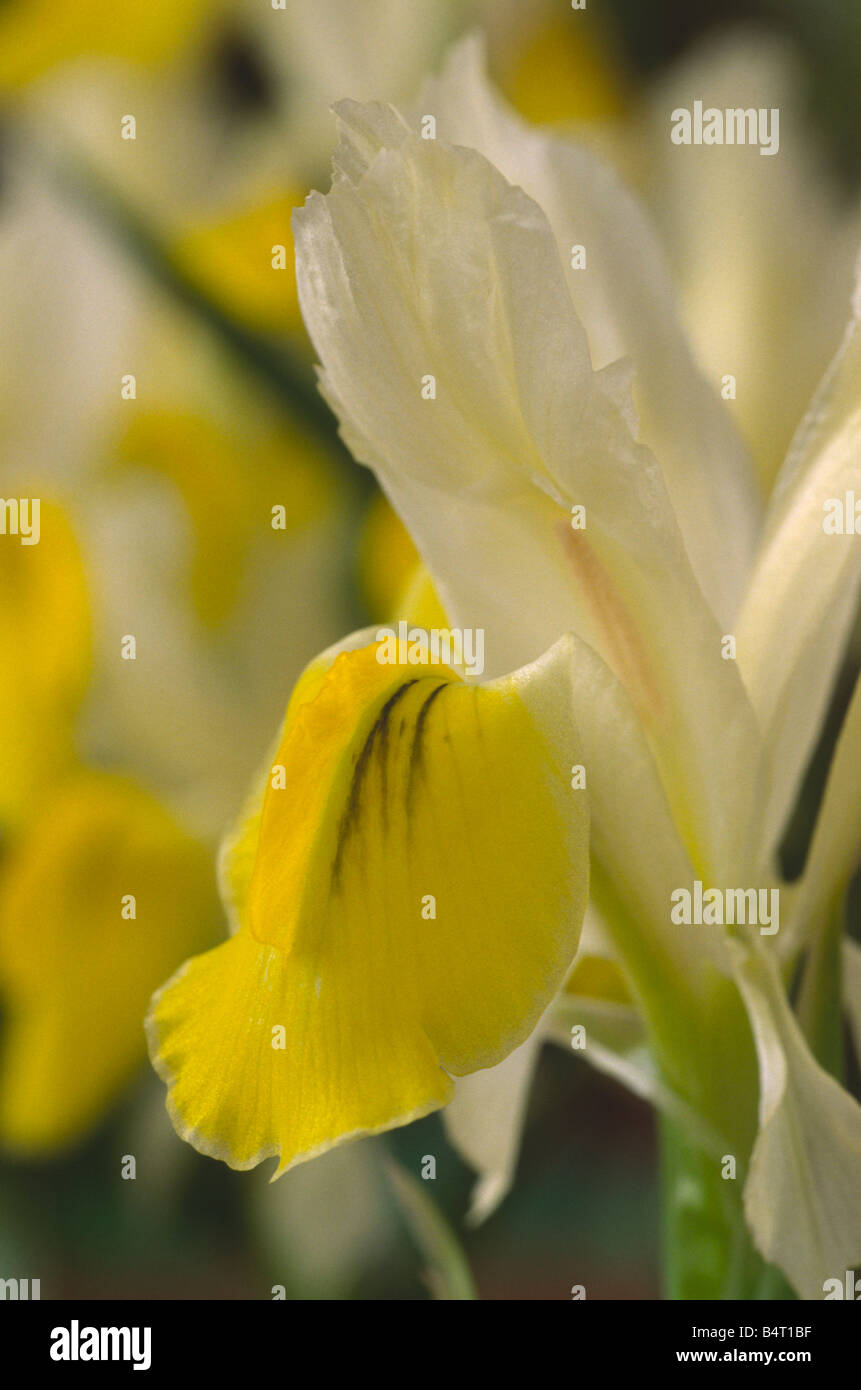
(44, 660)
(421, 602)
(387, 558)
(593, 977)
(36, 35)
(565, 72)
(220, 473)
(245, 262)
(75, 972)
(415, 899)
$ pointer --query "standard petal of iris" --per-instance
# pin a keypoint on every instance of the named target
(424, 268)
(740, 227)
(801, 1194)
(418, 883)
(625, 300)
(796, 618)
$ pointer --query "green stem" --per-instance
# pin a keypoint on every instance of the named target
(708, 1253)
(702, 1252)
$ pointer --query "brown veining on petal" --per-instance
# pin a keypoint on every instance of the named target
(621, 642)
(378, 737)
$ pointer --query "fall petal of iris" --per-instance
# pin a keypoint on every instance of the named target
(403, 785)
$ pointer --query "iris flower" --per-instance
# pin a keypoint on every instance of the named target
(409, 879)
(101, 890)
(100, 894)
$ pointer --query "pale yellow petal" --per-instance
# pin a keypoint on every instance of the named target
(801, 1193)
(797, 614)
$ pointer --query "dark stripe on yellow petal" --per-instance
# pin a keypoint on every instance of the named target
(380, 730)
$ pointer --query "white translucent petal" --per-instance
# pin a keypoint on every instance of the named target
(797, 614)
(762, 245)
(801, 1193)
(485, 1119)
(626, 302)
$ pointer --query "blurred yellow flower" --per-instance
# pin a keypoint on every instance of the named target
(37, 35)
(229, 485)
(99, 897)
(563, 72)
(244, 262)
(387, 558)
(45, 651)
